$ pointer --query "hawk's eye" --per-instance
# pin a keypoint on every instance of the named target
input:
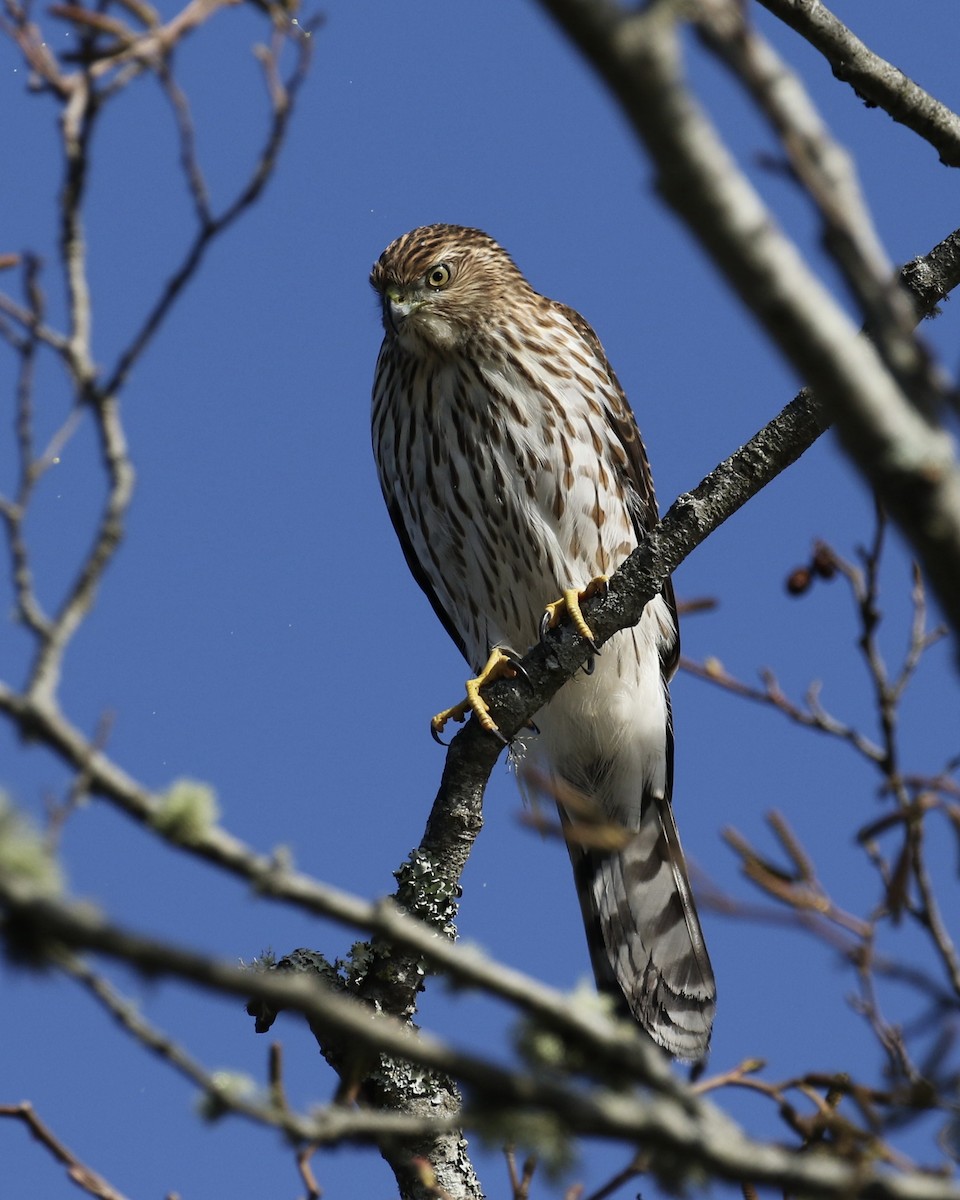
(438, 276)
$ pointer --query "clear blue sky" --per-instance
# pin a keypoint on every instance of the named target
(259, 629)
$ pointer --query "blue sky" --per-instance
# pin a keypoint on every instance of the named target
(259, 630)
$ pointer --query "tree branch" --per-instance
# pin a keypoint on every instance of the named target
(79, 1173)
(875, 80)
(672, 1122)
(909, 461)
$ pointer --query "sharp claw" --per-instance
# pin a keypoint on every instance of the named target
(589, 665)
(544, 626)
(533, 727)
(500, 663)
(520, 669)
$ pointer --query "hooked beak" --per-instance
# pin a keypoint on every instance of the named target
(397, 307)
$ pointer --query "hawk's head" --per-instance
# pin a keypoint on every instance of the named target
(442, 285)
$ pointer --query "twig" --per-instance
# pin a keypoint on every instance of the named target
(771, 694)
(80, 1174)
(921, 638)
(193, 173)
(282, 101)
(13, 511)
(82, 102)
(929, 915)
(520, 1181)
(637, 1166)
(314, 1191)
(47, 666)
(222, 1094)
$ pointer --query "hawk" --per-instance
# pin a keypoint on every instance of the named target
(514, 472)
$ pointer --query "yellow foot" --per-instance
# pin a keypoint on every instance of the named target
(498, 666)
(569, 605)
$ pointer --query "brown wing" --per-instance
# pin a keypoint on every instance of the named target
(636, 476)
(419, 573)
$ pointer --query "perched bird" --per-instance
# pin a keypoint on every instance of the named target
(514, 473)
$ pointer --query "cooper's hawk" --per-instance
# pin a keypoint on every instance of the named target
(514, 472)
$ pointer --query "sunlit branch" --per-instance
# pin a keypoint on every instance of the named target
(874, 79)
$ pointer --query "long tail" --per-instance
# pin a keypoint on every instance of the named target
(644, 934)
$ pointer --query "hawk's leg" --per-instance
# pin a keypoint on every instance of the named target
(500, 665)
(569, 605)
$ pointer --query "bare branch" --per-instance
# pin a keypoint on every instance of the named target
(908, 459)
(34, 48)
(81, 105)
(80, 1174)
(814, 716)
(43, 333)
(196, 184)
(45, 672)
(674, 1121)
(827, 173)
(930, 915)
(222, 1094)
(874, 79)
(282, 97)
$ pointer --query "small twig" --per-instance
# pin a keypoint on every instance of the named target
(887, 1035)
(193, 173)
(930, 916)
(696, 604)
(46, 669)
(283, 95)
(814, 716)
(866, 588)
(304, 1155)
(520, 1181)
(158, 40)
(80, 1174)
(144, 12)
(921, 639)
(43, 333)
(34, 48)
(801, 891)
(97, 22)
(59, 814)
(639, 1165)
(13, 511)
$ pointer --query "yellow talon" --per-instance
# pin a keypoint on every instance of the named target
(569, 605)
(497, 666)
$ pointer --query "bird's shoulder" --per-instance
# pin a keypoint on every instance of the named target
(620, 414)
